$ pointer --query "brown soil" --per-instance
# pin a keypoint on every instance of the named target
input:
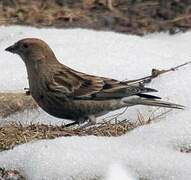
(127, 16)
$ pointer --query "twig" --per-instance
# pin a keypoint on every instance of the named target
(114, 116)
(178, 19)
(155, 73)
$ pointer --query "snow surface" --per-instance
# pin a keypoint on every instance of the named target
(151, 151)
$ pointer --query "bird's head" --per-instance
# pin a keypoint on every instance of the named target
(32, 50)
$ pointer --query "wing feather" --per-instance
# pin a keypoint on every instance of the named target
(80, 85)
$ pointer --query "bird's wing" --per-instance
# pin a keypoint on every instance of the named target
(80, 85)
(119, 89)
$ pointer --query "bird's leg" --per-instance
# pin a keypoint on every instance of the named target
(79, 122)
(91, 121)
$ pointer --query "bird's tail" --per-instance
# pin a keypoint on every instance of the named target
(150, 102)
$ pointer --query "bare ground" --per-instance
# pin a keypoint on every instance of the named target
(127, 16)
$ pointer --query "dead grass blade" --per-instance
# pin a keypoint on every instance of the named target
(15, 133)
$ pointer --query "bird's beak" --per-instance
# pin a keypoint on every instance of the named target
(12, 49)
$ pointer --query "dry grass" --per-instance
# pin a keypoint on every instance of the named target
(14, 133)
(11, 103)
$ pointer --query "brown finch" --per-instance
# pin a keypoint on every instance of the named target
(66, 93)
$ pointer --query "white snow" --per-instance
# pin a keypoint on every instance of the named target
(119, 172)
(151, 151)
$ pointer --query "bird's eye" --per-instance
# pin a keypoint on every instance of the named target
(25, 45)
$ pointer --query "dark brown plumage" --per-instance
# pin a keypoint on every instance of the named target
(66, 93)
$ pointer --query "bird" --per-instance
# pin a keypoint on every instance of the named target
(69, 94)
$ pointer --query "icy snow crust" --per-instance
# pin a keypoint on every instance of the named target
(151, 151)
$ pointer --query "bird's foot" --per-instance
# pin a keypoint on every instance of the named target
(71, 124)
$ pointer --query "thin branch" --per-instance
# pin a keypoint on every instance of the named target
(155, 73)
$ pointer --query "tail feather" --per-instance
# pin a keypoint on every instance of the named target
(151, 102)
(160, 103)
